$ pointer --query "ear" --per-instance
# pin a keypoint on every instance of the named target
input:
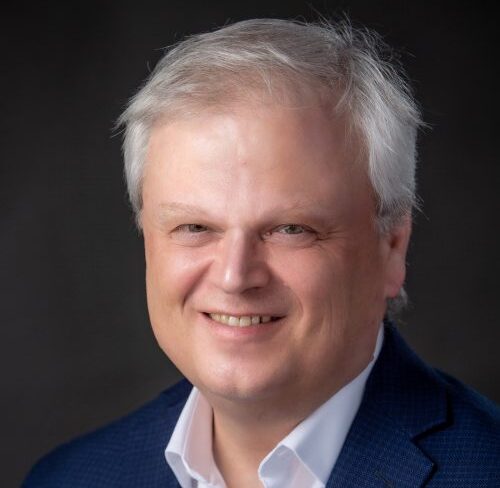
(396, 246)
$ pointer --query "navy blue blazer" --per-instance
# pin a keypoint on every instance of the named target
(416, 427)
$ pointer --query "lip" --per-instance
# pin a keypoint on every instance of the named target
(244, 314)
(235, 333)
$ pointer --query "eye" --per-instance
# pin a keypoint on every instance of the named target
(195, 228)
(191, 235)
(291, 235)
(191, 228)
(291, 229)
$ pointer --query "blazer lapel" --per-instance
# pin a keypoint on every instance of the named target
(403, 400)
(378, 454)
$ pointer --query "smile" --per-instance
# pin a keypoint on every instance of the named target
(241, 321)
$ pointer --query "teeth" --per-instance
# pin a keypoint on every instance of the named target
(243, 321)
(233, 320)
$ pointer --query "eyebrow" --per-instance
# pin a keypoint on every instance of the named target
(172, 210)
(178, 207)
(295, 210)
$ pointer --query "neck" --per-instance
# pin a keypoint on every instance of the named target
(241, 442)
(245, 432)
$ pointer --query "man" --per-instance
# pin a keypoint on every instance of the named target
(271, 167)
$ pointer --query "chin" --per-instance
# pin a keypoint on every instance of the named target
(234, 384)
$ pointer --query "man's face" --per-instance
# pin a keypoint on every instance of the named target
(254, 213)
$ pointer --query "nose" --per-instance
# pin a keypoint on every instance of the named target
(240, 265)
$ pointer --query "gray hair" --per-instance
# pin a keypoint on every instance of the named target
(352, 68)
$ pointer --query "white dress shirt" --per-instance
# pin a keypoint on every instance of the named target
(303, 459)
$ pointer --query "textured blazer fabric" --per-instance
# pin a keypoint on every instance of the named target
(416, 427)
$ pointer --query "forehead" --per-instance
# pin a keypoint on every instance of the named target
(253, 155)
(305, 124)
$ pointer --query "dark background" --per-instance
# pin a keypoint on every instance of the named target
(77, 350)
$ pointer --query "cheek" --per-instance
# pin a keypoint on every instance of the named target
(314, 279)
(172, 273)
(329, 284)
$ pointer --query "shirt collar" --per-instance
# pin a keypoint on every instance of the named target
(189, 451)
(316, 441)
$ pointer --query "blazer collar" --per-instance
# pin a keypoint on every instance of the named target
(403, 400)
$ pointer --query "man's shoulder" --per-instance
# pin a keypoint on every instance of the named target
(456, 429)
(417, 426)
(465, 409)
(110, 454)
(465, 449)
(473, 424)
(468, 402)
